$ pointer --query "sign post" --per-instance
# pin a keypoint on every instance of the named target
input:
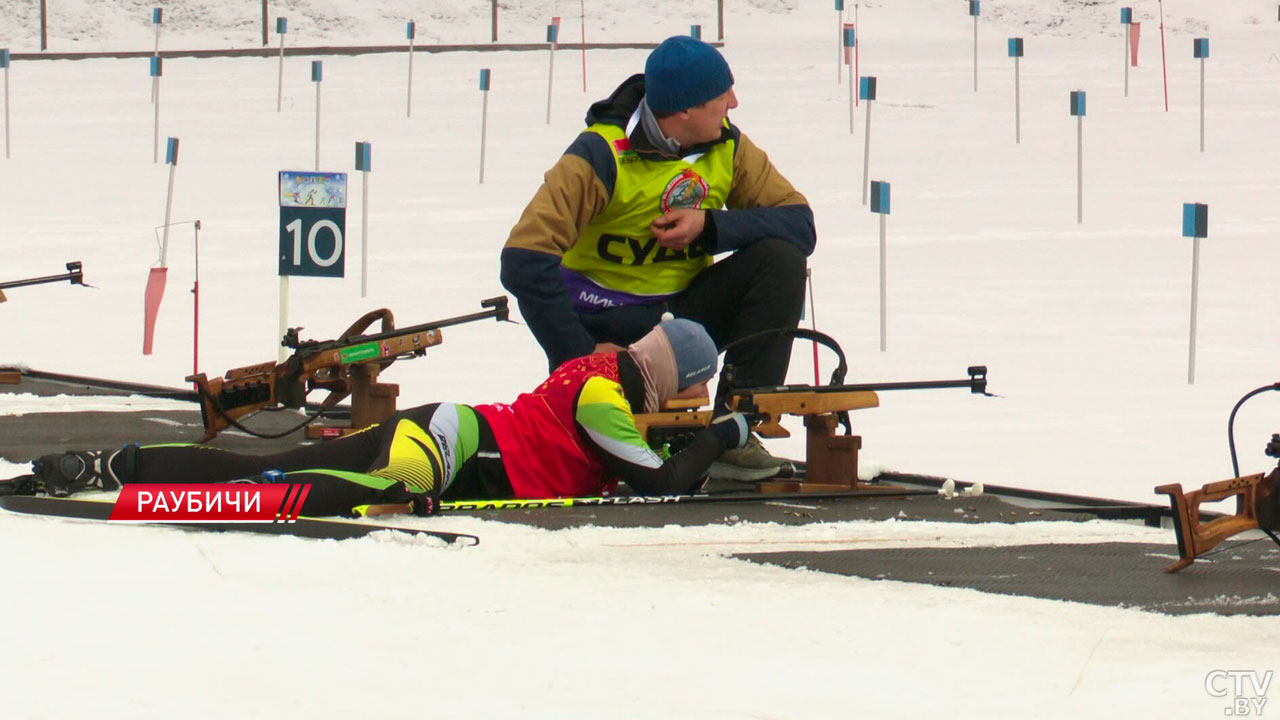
(867, 90)
(1195, 225)
(1077, 109)
(553, 35)
(974, 10)
(1126, 18)
(313, 217)
(880, 205)
(157, 69)
(410, 31)
(839, 45)
(484, 116)
(364, 163)
(1015, 52)
(4, 63)
(1202, 52)
(282, 26)
(156, 15)
(850, 40)
(317, 75)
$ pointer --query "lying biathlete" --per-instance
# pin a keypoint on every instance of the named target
(574, 435)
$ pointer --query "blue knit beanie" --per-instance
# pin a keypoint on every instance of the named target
(694, 349)
(683, 72)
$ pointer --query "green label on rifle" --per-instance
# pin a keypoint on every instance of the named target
(360, 352)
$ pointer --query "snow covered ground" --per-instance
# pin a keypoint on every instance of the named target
(1084, 326)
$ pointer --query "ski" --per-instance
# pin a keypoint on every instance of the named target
(314, 528)
(727, 497)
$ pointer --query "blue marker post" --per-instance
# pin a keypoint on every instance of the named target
(282, 26)
(880, 205)
(553, 36)
(484, 116)
(1201, 51)
(839, 42)
(974, 11)
(157, 69)
(364, 163)
(1126, 19)
(4, 63)
(1015, 52)
(867, 91)
(156, 15)
(317, 74)
(170, 159)
(409, 32)
(1195, 225)
(850, 40)
(1077, 109)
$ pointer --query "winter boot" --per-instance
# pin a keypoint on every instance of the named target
(76, 470)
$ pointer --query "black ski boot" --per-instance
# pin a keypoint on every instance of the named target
(76, 470)
(21, 485)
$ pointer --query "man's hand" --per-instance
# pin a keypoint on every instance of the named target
(607, 348)
(676, 229)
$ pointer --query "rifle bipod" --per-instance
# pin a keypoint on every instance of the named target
(1257, 507)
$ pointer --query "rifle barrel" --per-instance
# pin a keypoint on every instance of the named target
(72, 276)
(499, 312)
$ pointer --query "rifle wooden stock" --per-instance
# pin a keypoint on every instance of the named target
(1196, 538)
(771, 406)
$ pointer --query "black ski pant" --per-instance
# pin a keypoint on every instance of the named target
(760, 287)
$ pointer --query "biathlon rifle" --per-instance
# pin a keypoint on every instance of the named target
(1257, 501)
(348, 365)
(74, 274)
(831, 460)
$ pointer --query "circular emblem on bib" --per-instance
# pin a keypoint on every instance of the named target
(686, 190)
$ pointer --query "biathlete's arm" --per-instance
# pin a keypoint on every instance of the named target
(605, 420)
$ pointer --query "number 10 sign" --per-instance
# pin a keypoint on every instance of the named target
(313, 218)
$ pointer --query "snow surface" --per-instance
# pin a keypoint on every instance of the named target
(1084, 326)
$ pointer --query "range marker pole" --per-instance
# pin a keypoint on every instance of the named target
(282, 26)
(1195, 225)
(867, 91)
(317, 75)
(410, 31)
(880, 205)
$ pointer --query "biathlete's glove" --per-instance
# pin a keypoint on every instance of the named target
(732, 429)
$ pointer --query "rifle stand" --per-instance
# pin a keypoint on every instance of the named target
(1254, 495)
(372, 403)
(831, 460)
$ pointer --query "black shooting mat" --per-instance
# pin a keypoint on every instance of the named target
(1242, 579)
(26, 437)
